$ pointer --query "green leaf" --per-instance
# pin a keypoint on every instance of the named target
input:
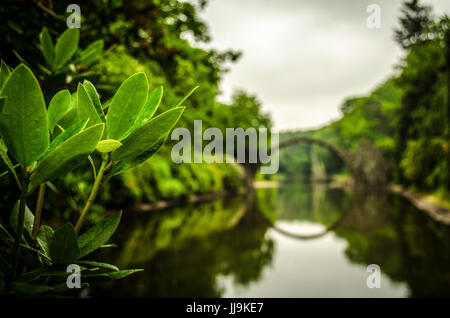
(66, 46)
(59, 105)
(111, 276)
(63, 247)
(4, 74)
(47, 47)
(108, 145)
(5, 159)
(151, 105)
(14, 218)
(44, 237)
(85, 106)
(126, 105)
(98, 264)
(93, 95)
(98, 235)
(91, 53)
(66, 134)
(28, 288)
(129, 163)
(185, 97)
(24, 122)
(148, 134)
(67, 156)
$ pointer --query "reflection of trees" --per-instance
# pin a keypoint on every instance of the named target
(185, 250)
(408, 245)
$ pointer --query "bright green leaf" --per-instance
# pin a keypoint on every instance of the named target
(66, 134)
(85, 106)
(93, 95)
(126, 105)
(129, 163)
(151, 105)
(59, 105)
(66, 46)
(148, 134)
(98, 235)
(67, 155)
(24, 122)
(108, 145)
(63, 247)
(47, 47)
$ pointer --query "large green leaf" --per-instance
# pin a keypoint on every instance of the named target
(129, 163)
(59, 105)
(91, 53)
(126, 106)
(66, 46)
(148, 134)
(4, 74)
(63, 247)
(111, 275)
(151, 105)
(67, 155)
(24, 122)
(44, 237)
(28, 221)
(5, 159)
(98, 235)
(85, 106)
(47, 47)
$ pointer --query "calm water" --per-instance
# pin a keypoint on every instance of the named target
(298, 240)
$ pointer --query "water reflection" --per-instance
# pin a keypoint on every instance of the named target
(230, 248)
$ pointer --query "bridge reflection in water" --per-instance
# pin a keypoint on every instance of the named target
(298, 240)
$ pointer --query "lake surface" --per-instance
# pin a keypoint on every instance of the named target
(298, 240)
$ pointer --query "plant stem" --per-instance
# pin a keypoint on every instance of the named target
(38, 213)
(21, 220)
(93, 194)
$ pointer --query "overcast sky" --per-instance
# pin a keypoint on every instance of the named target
(302, 58)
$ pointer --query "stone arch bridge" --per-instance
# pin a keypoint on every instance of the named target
(366, 164)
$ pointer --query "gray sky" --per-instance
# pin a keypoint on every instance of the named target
(302, 58)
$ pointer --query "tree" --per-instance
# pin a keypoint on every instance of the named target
(415, 23)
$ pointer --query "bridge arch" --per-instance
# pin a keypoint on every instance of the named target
(342, 154)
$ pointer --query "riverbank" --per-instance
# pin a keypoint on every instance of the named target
(424, 202)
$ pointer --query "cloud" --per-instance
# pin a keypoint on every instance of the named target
(303, 58)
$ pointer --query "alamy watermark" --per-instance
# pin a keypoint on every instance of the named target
(374, 19)
(374, 279)
(239, 145)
